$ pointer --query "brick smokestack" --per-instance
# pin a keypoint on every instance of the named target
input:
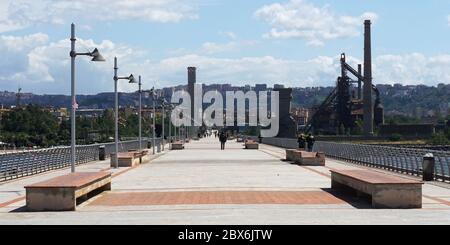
(192, 75)
(368, 103)
(192, 79)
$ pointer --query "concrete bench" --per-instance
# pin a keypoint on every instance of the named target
(290, 153)
(63, 192)
(308, 158)
(386, 191)
(177, 145)
(251, 145)
(138, 153)
(141, 155)
(127, 159)
(239, 139)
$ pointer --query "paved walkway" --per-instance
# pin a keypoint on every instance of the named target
(204, 185)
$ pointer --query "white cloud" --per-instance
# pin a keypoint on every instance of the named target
(212, 48)
(412, 69)
(229, 34)
(19, 14)
(42, 66)
(448, 19)
(301, 19)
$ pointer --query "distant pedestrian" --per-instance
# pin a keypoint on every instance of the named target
(310, 140)
(223, 140)
(301, 141)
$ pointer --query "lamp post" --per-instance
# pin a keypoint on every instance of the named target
(96, 56)
(170, 106)
(153, 94)
(140, 114)
(163, 105)
(130, 79)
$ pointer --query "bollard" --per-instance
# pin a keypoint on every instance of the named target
(428, 167)
(101, 153)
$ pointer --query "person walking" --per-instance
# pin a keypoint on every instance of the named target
(301, 141)
(310, 140)
(223, 140)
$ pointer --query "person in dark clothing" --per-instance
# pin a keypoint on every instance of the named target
(223, 140)
(301, 141)
(310, 140)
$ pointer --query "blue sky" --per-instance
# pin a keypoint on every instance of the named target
(296, 42)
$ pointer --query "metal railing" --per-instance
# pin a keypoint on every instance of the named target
(399, 159)
(402, 160)
(20, 164)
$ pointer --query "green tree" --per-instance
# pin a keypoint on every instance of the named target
(30, 126)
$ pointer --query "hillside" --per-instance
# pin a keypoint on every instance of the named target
(417, 101)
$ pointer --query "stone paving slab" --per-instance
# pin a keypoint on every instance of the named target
(233, 215)
(203, 167)
(216, 197)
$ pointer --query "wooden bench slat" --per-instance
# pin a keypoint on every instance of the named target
(72, 180)
(373, 177)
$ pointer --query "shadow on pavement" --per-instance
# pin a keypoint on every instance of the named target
(349, 196)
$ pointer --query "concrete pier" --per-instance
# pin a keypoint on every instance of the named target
(204, 185)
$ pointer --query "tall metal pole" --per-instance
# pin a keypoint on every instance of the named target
(170, 127)
(140, 114)
(116, 119)
(163, 114)
(73, 106)
(175, 132)
(359, 81)
(184, 134)
(154, 122)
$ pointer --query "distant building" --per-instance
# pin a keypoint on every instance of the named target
(91, 113)
(260, 87)
(301, 115)
(278, 86)
(61, 113)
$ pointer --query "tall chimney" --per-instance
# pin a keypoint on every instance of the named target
(192, 79)
(368, 104)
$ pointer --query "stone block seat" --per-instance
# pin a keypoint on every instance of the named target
(385, 190)
(251, 145)
(129, 159)
(177, 145)
(306, 158)
(63, 192)
(290, 154)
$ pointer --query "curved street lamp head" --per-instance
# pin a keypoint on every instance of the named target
(131, 79)
(96, 56)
